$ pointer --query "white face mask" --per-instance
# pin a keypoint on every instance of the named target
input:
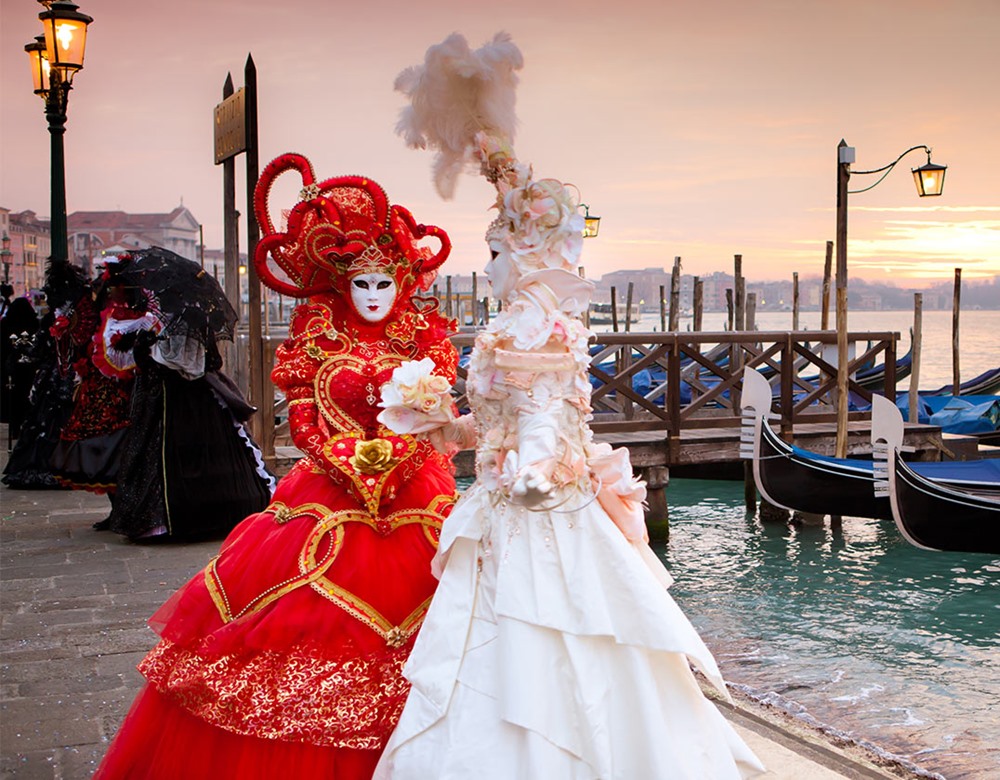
(373, 295)
(500, 270)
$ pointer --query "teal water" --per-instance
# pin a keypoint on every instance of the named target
(848, 628)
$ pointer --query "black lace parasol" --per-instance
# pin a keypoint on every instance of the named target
(191, 298)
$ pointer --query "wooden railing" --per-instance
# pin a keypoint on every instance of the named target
(671, 382)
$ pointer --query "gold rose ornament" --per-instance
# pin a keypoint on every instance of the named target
(373, 457)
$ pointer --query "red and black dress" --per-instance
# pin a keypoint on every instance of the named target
(88, 452)
(283, 658)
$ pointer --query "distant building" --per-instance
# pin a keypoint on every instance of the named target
(871, 301)
(215, 263)
(93, 233)
(646, 285)
(29, 247)
(811, 294)
(935, 300)
(714, 288)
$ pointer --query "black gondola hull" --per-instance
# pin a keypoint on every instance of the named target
(939, 518)
(815, 486)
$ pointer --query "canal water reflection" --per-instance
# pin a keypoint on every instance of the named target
(847, 627)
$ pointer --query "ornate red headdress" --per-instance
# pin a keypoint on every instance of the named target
(340, 227)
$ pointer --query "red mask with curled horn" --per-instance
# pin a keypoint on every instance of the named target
(339, 228)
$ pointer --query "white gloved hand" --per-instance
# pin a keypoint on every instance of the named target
(531, 487)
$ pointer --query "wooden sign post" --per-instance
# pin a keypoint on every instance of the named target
(236, 133)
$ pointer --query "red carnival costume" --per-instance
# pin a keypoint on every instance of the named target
(87, 454)
(283, 657)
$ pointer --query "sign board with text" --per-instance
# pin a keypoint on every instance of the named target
(230, 127)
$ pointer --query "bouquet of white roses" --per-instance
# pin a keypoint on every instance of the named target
(415, 400)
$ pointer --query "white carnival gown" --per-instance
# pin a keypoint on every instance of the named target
(552, 649)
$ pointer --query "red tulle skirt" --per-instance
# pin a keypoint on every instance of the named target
(161, 739)
(283, 659)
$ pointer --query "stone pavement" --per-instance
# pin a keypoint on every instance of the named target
(73, 607)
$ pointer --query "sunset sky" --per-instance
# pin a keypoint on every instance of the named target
(694, 129)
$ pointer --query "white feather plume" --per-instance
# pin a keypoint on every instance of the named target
(455, 94)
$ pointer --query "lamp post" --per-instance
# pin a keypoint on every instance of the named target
(6, 256)
(929, 180)
(55, 57)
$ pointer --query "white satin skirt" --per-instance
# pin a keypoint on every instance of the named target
(552, 650)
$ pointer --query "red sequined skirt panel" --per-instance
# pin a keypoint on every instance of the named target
(299, 629)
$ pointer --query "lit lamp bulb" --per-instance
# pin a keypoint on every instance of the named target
(64, 34)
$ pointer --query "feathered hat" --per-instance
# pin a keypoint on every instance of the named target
(339, 228)
(462, 106)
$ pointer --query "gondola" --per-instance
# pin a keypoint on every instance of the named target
(872, 377)
(802, 481)
(987, 383)
(927, 513)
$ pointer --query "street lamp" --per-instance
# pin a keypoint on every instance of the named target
(6, 256)
(39, 65)
(590, 224)
(929, 180)
(55, 57)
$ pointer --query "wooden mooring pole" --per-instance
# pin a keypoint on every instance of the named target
(614, 309)
(675, 296)
(956, 306)
(740, 293)
(658, 514)
(663, 309)
(474, 300)
(827, 267)
(739, 321)
(697, 304)
(749, 484)
(915, 340)
(628, 307)
(843, 177)
(795, 301)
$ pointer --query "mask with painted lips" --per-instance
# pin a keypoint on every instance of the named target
(373, 296)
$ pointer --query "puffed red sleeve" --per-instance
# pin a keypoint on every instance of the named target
(294, 372)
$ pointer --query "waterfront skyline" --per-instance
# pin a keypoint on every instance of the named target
(698, 131)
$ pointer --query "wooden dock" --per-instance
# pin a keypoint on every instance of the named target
(685, 411)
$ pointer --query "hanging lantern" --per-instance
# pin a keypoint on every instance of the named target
(929, 178)
(590, 224)
(39, 65)
(65, 37)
